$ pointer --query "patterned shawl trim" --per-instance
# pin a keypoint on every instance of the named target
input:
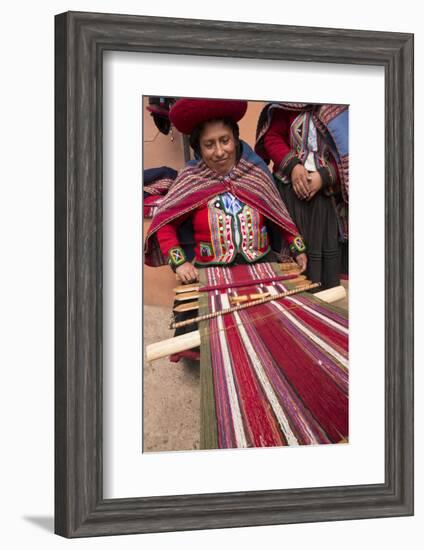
(159, 187)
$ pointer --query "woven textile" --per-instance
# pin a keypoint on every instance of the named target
(150, 205)
(274, 374)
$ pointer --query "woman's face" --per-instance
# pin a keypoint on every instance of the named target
(218, 147)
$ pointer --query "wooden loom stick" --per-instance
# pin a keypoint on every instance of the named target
(187, 288)
(287, 266)
(246, 297)
(332, 294)
(173, 345)
(185, 296)
(286, 277)
(189, 306)
(244, 306)
(192, 339)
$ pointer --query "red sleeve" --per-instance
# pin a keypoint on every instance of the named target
(288, 236)
(167, 235)
(276, 140)
(295, 242)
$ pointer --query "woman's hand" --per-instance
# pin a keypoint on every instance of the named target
(299, 178)
(187, 273)
(302, 261)
(314, 184)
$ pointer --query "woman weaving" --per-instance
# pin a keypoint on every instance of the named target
(227, 193)
(273, 374)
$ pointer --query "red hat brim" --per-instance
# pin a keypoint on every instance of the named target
(187, 113)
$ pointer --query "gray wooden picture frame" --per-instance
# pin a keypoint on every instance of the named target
(80, 40)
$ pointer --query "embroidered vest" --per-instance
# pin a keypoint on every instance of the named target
(235, 228)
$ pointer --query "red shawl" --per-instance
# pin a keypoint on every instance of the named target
(196, 184)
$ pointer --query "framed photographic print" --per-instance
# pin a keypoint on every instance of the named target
(249, 437)
(275, 375)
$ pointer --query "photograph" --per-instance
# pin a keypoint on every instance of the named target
(233, 321)
(246, 275)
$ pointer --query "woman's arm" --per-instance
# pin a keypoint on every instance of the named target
(171, 248)
(298, 249)
(276, 140)
(296, 243)
(277, 146)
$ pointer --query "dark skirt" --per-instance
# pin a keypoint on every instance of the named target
(317, 222)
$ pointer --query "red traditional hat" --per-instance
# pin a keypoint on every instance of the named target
(187, 113)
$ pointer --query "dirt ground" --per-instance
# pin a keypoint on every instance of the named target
(171, 393)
